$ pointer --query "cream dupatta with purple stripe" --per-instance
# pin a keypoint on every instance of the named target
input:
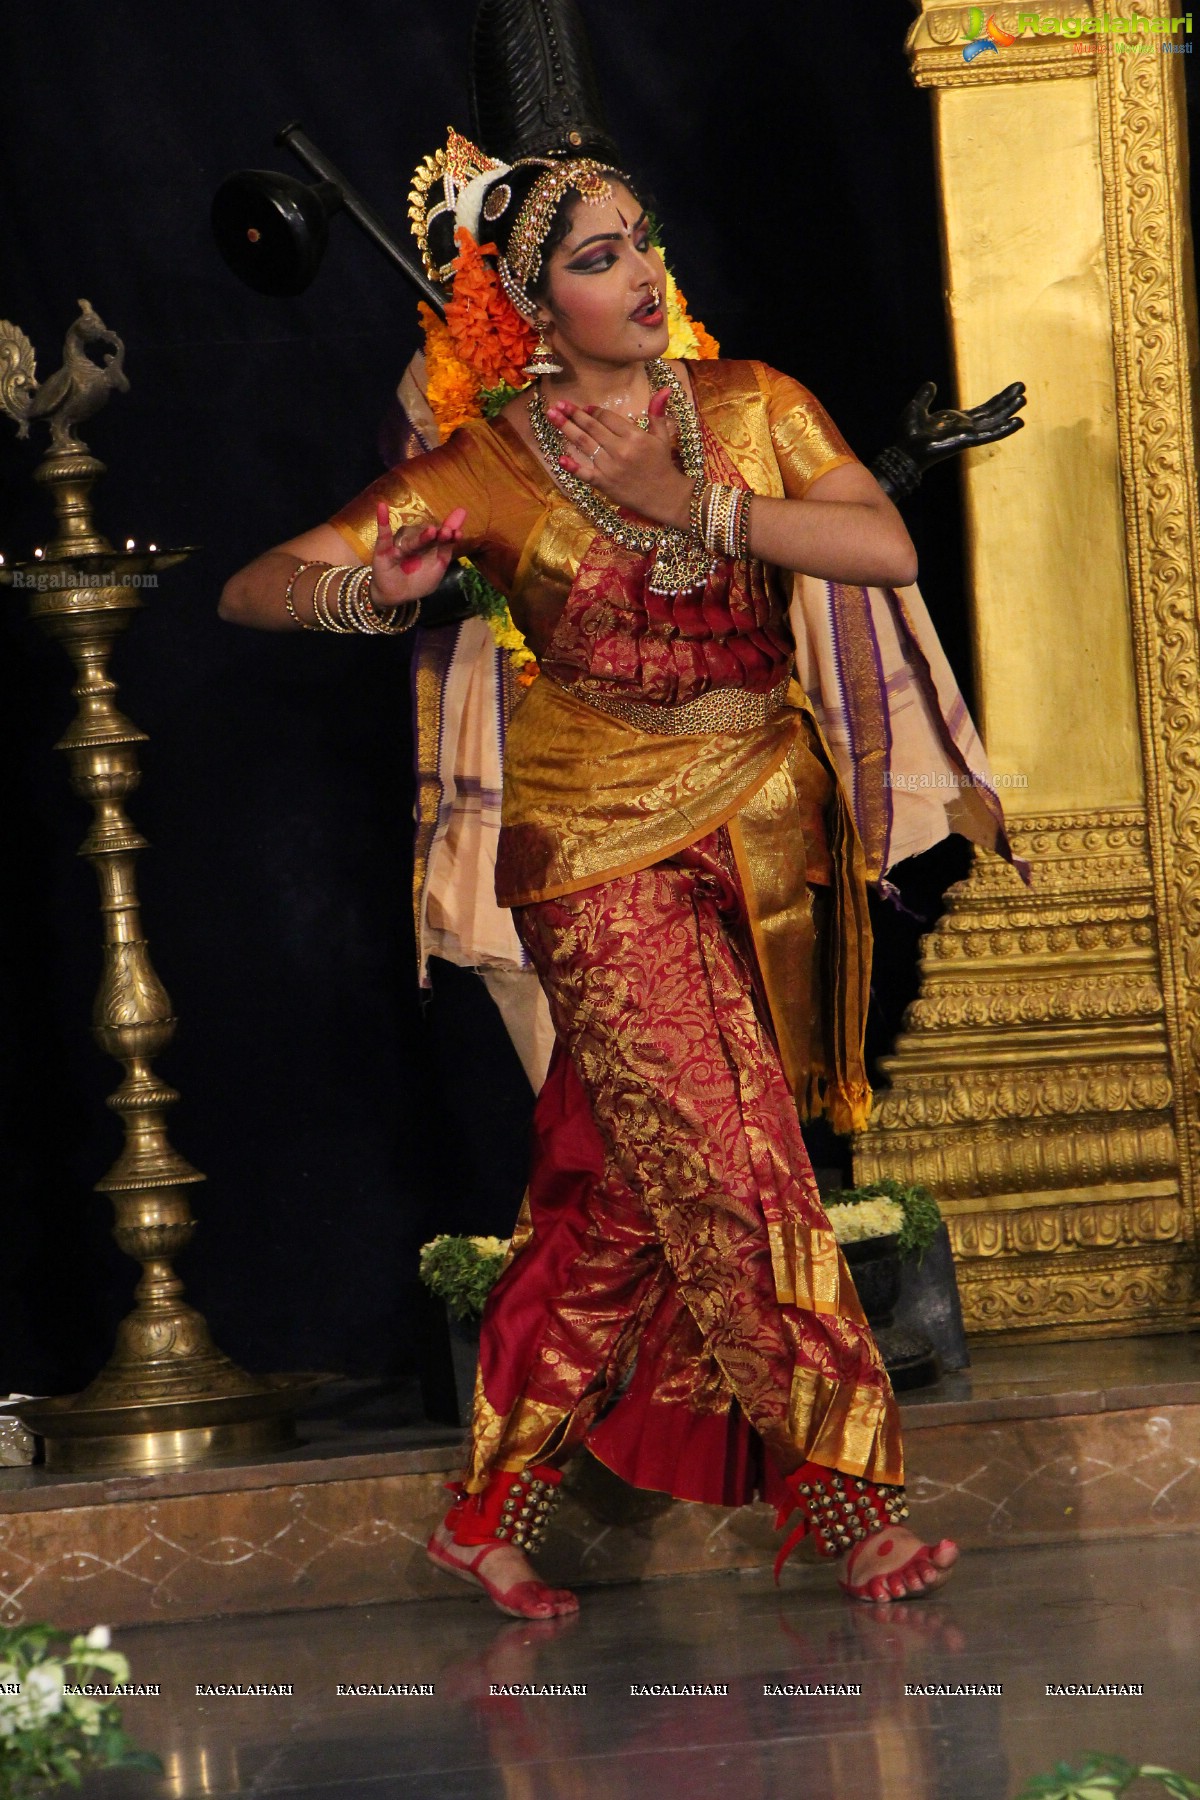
(905, 745)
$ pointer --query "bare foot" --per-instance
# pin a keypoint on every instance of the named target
(895, 1565)
(504, 1573)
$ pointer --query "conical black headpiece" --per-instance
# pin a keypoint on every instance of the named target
(533, 87)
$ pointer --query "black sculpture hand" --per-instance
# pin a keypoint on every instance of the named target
(928, 437)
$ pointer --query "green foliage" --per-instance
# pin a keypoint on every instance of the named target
(1099, 1777)
(49, 1738)
(922, 1214)
(462, 1271)
(495, 398)
(486, 600)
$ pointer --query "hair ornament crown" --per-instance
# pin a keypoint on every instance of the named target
(443, 187)
(452, 187)
(479, 352)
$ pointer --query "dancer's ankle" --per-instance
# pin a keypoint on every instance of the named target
(514, 1507)
(836, 1510)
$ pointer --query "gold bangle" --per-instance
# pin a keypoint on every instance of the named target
(324, 618)
(709, 496)
(351, 608)
(717, 523)
(352, 586)
(289, 602)
(696, 509)
(344, 616)
(731, 522)
(711, 493)
(397, 620)
(727, 495)
(743, 538)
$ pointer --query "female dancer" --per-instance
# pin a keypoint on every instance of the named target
(685, 877)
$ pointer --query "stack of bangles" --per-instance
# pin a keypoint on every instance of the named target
(350, 585)
(720, 518)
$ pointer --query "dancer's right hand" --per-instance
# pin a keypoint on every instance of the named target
(409, 566)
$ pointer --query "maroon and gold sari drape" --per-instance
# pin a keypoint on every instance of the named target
(694, 903)
(687, 880)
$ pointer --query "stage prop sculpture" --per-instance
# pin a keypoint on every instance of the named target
(168, 1397)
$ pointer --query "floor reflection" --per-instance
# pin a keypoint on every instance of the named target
(1016, 1619)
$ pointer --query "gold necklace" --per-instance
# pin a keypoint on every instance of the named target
(681, 562)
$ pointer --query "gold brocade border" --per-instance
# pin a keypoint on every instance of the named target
(854, 1429)
(1153, 303)
(808, 1271)
(431, 664)
(530, 1431)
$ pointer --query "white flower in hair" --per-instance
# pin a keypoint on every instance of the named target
(469, 207)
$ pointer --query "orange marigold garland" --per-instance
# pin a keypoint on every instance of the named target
(488, 333)
(482, 346)
(451, 388)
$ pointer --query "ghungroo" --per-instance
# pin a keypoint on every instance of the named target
(514, 1508)
(837, 1510)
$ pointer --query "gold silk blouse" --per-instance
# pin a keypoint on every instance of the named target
(523, 533)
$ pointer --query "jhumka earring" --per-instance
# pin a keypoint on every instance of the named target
(542, 361)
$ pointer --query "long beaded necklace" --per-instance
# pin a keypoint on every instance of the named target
(680, 562)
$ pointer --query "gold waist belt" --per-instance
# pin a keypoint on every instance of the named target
(720, 709)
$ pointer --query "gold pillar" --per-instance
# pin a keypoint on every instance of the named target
(1045, 1082)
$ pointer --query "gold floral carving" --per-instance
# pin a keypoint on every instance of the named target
(1153, 302)
(1062, 1303)
(1032, 1087)
(1051, 1230)
(1003, 1165)
(1061, 1090)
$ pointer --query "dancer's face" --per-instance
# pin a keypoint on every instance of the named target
(599, 295)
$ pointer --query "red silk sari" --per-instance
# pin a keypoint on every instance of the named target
(674, 1297)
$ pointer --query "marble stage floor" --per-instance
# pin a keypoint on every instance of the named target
(1123, 1612)
(1035, 1444)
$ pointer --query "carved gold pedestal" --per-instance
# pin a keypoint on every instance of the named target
(1045, 1084)
(1031, 1089)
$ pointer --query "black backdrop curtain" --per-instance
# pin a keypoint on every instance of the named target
(339, 1123)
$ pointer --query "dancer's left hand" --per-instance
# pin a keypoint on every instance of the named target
(635, 468)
